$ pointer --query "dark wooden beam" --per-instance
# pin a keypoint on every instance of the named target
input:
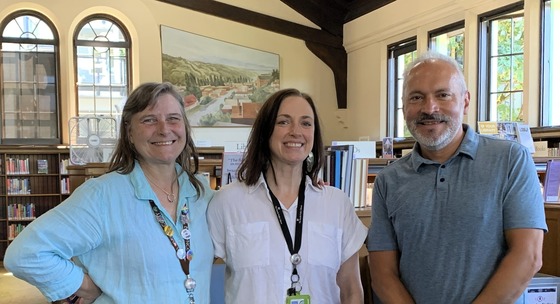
(337, 60)
(259, 20)
(323, 44)
(325, 17)
(358, 8)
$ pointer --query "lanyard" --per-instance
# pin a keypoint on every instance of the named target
(184, 255)
(295, 258)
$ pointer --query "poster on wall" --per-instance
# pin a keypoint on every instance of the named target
(222, 84)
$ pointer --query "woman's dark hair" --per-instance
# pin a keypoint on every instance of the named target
(146, 95)
(258, 154)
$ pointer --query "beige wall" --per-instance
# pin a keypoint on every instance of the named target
(298, 66)
(366, 40)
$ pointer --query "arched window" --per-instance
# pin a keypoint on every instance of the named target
(29, 80)
(102, 51)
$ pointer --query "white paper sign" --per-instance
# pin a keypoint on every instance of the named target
(235, 146)
(230, 164)
(541, 295)
(362, 149)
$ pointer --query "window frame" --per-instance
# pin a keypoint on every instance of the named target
(395, 50)
(484, 50)
(55, 42)
(447, 29)
(546, 98)
(127, 45)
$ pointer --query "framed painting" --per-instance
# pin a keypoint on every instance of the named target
(222, 84)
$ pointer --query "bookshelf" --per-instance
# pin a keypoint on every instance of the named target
(32, 181)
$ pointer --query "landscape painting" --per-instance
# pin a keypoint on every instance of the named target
(222, 84)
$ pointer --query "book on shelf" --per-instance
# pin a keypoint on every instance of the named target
(488, 127)
(541, 148)
(341, 162)
(42, 166)
(355, 172)
(551, 186)
(509, 130)
(387, 147)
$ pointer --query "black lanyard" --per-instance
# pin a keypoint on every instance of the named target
(295, 258)
(184, 256)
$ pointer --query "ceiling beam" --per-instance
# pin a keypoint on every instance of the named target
(358, 8)
(324, 45)
(259, 20)
(325, 17)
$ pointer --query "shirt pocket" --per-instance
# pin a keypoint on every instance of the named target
(249, 245)
(324, 245)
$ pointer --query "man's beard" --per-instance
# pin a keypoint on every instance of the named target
(434, 143)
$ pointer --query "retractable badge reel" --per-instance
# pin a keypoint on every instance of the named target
(294, 296)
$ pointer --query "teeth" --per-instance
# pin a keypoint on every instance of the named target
(163, 143)
(294, 145)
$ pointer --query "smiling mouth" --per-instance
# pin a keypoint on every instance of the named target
(163, 143)
(430, 122)
(294, 145)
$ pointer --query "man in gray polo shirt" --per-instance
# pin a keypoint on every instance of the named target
(461, 218)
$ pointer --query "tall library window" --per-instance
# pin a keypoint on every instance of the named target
(550, 103)
(398, 55)
(449, 40)
(29, 80)
(501, 65)
(102, 50)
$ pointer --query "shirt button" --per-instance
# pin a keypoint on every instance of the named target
(443, 166)
(442, 179)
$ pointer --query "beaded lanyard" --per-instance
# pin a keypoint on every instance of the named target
(184, 255)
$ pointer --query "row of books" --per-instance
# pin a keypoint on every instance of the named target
(21, 211)
(346, 167)
(18, 186)
(14, 230)
(65, 185)
(16, 166)
(509, 130)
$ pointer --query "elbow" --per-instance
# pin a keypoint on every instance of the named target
(536, 264)
(11, 260)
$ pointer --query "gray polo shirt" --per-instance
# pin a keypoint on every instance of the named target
(448, 220)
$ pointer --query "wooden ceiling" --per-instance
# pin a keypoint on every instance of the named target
(326, 43)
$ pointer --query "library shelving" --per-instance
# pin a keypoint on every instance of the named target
(32, 181)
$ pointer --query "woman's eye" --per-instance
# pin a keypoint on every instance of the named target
(149, 121)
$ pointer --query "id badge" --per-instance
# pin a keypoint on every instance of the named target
(298, 299)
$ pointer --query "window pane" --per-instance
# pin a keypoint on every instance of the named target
(400, 55)
(502, 92)
(102, 68)
(551, 64)
(30, 91)
(451, 43)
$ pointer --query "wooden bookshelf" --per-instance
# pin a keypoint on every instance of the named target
(25, 193)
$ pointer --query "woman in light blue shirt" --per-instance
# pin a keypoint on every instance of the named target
(137, 234)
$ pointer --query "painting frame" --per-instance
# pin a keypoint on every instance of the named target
(222, 84)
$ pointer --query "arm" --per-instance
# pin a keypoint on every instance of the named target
(385, 281)
(348, 279)
(522, 260)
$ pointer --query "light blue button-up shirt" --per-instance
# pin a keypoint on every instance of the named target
(107, 225)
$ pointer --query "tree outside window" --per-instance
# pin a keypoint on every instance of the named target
(501, 66)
